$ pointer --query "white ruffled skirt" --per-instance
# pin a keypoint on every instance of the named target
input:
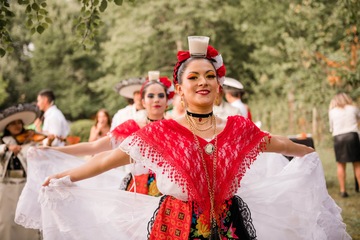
(288, 200)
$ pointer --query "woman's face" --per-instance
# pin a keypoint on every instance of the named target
(102, 118)
(199, 86)
(155, 101)
(15, 127)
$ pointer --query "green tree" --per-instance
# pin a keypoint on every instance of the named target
(287, 72)
(15, 66)
(58, 64)
(162, 28)
(38, 19)
(292, 56)
(3, 93)
(53, 60)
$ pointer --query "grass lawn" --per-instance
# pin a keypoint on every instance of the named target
(351, 205)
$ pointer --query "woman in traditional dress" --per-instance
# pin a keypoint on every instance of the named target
(200, 161)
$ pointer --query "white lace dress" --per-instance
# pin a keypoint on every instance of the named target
(287, 200)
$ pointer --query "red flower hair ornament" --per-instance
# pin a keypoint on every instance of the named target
(212, 54)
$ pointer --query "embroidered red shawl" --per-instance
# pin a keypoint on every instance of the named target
(171, 147)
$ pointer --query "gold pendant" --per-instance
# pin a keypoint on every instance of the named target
(209, 148)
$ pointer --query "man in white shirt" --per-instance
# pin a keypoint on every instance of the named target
(129, 89)
(234, 90)
(224, 109)
(55, 125)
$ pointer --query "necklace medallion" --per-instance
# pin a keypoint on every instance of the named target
(209, 148)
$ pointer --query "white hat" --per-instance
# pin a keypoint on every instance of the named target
(127, 87)
(231, 82)
(25, 112)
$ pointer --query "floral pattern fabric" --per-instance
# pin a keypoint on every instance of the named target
(144, 183)
(177, 219)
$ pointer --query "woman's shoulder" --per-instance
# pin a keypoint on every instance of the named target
(165, 126)
(352, 108)
(239, 126)
(348, 109)
(238, 119)
(128, 125)
(164, 123)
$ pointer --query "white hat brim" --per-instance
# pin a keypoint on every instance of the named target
(231, 82)
(128, 91)
(127, 87)
(27, 117)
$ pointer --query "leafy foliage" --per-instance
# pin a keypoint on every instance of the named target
(81, 128)
(291, 56)
(38, 20)
(56, 63)
(287, 72)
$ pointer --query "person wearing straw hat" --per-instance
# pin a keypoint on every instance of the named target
(13, 168)
(234, 91)
(55, 125)
(129, 89)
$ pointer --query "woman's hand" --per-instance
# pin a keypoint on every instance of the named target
(285, 146)
(47, 180)
(63, 181)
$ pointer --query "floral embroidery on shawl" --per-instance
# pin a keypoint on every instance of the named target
(122, 131)
(238, 146)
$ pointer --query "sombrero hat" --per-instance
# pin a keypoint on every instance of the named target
(26, 112)
(233, 83)
(127, 87)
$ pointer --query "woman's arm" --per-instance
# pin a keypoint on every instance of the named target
(285, 146)
(98, 164)
(85, 148)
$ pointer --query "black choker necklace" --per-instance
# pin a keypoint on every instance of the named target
(198, 115)
(153, 120)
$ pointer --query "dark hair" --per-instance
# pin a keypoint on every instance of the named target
(49, 94)
(146, 85)
(130, 101)
(184, 65)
